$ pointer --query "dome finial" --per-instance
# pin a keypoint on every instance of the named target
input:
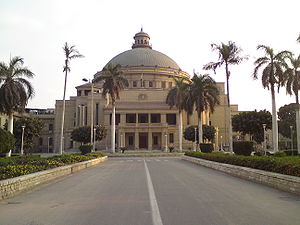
(141, 40)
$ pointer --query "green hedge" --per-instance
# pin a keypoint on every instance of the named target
(85, 149)
(243, 147)
(206, 148)
(284, 165)
(21, 165)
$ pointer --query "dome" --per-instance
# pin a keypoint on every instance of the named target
(142, 54)
(144, 57)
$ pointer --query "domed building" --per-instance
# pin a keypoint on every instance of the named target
(143, 119)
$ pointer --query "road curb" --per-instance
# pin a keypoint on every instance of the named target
(145, 155)
(14, 186)
(275, 180)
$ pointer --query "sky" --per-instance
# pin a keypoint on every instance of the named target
(36, 30)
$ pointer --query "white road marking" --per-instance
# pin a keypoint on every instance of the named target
(157, 160)
(156, 219)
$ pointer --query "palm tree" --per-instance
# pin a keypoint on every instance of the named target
(205, 96)
(292, 82)
(70, 53)
(114, 82)
(229, 54)
(177, 97)
(272, 75)
(15, 90)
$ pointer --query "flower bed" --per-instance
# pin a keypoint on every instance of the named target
(21, 165)
(283, 165)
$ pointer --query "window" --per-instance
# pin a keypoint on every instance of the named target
(86, 92)
(40, 141)
(50, 141)
(79, 93)
(170, 84)
(134, 84)
(78, 116)
(171, 138)
(150, 84)
(142, 83)
(97, 113)
(117, 118)
(171, 119)
(155, 140)
(85, 115)
(155, 118)
(143, 118)
(130, 140)
(131, 118)
(50, 127)
(163, 84)
(187, 119)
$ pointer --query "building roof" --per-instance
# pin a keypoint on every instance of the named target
(144, 57)
(142, 54)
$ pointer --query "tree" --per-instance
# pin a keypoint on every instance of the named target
(205, 96)
(15, 90)
(292, 83)
(252, 123)
(177, 97)
(113, 84)
(229, 54)
(298, 39)
(83, 134)
(272, 74)
(208, 133)
(33, 128)
(7, 141)
(70, 53)
(287, 118)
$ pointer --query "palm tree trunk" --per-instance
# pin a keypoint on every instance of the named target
(200, 133)
(298, 123)
(113, 128)
(274, 121)
(180, 131)
(10, 128)
(63, 114)
(229, 111)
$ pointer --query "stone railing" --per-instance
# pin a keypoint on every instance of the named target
(276, 180)
(13, 186)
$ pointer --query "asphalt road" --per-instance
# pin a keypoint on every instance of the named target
(151, 191)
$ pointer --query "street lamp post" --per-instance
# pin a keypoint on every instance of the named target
(195, 139)
(22, 140)
(92, 107)
(94, 143)
(292, 144)
(265, 146)
(221, 144)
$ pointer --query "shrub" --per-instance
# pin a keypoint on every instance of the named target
(7, 141)
(243, 147)
(280, 154)
(85, 149)
(291, 152)
(283, 165)
(206, 148)
(171, 148)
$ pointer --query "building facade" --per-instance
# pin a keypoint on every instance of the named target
(143, 119)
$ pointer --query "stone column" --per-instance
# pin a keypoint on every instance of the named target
(150, 141)
(163, 119)
(136, 140)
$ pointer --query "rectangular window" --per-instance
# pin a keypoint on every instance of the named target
(130, 140)
(163, 84)
(97, 113)
(86, 92)
(117, 119)
(130, 118)
(170, 84)
(187, 119)
(50, 127)
(78, 116)
(85, 115)
(155, 140)
(134, 83)
(40, 141)
(155, 118)
(171, 119)
(78, 93)
(150, 84)
(143, 118)
(171, 138)
(50, 141)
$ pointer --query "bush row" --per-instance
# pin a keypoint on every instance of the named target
(22, 165)
(283, 165)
